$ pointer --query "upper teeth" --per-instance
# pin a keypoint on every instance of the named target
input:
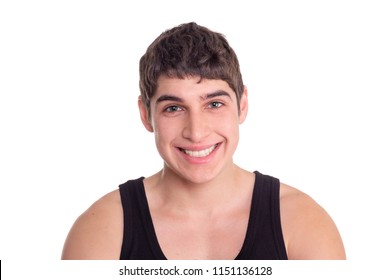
(201, 153)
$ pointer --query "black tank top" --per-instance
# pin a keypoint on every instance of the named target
(263, 240)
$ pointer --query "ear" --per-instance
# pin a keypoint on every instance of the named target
(243, 106)
(144, 115)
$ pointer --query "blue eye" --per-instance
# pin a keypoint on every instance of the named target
(216, 104)
(172, 108)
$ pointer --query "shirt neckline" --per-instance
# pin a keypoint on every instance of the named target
(152, 235)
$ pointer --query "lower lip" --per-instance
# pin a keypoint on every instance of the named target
(200, 160)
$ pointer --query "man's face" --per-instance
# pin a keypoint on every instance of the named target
(195, 126)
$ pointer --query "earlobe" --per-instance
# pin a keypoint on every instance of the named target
(243, 105)
(144, 115)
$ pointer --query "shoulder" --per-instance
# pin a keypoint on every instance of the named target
(98, 232)
(308, 230)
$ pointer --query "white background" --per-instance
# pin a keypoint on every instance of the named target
(318, 74)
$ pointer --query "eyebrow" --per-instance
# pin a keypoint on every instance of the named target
(216, 94)
(167, 97)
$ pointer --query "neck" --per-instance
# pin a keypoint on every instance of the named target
(205, 198)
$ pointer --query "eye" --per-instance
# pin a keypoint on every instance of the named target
(215, 104)
(173, 108)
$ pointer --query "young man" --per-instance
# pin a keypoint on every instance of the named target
(201, 205)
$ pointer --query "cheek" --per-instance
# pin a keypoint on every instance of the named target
(164, 132)
(229, 123)
(228, 128)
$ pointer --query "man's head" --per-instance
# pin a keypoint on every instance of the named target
(189, 50)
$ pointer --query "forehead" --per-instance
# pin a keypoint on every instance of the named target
(190, 86)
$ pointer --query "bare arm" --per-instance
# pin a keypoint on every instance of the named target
(97, 233)
(309, 231)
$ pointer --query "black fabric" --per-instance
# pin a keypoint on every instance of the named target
(263, 241)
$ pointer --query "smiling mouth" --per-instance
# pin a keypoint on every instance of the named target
(200, 153)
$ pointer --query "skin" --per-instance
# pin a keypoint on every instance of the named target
(197, 197)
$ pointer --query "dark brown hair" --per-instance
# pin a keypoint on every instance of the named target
(189, 50)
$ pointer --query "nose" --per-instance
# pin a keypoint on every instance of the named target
(196, 127)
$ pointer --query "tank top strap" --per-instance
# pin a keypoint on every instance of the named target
(264, 238)
(139, 239)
